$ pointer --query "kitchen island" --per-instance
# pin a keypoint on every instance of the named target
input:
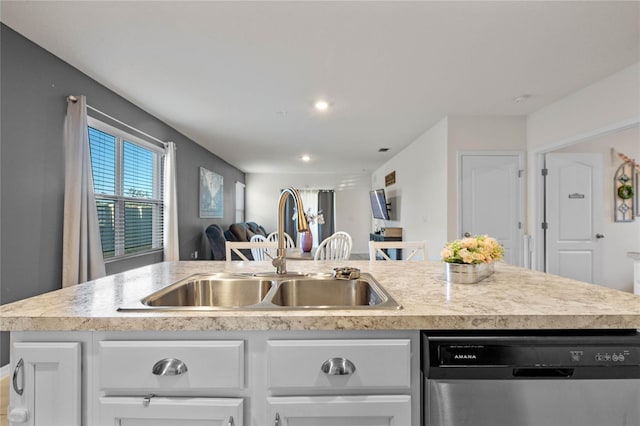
(512, 298)
(256, 367)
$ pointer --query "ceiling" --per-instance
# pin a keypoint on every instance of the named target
(240, 78)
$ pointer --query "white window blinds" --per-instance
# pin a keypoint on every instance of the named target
(128, 188)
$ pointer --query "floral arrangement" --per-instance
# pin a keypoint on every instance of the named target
(312, 217)
(476, 249)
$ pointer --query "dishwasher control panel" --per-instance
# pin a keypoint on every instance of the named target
(531, 357)
(535, 356)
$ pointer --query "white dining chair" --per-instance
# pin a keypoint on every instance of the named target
(335, 247)
(289, 243)
(259, 253)
(236, 247)
(417, 249)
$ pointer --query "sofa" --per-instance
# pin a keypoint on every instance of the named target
(242, 231)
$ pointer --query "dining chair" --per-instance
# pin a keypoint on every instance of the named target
(335, 247)
(259, 253)
(377, 250)
(289, 243)
(236, 248)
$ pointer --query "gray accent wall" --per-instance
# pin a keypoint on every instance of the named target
(33, 88)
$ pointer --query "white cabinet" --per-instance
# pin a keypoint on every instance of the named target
(370, 410)
(161, 411)
(353, 371)
(46, 384)
(150, 366)
(339, 364)
(170, 382)
(216, 378)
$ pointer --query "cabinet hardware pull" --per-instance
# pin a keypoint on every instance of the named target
(169, 367)
(277, 423)
(147, 399)
(231, 422)
(338, 367)
(19, 367)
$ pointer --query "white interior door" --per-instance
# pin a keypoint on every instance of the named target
(491, 200)
(573, 188)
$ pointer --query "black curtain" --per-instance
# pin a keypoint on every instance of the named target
(326, 204)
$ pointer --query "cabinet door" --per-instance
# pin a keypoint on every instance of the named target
(370, 410)
(46, 384)
(157, 411)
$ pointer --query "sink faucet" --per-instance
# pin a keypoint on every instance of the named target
(280, 261)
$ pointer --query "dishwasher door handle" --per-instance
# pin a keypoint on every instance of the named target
(552, 373)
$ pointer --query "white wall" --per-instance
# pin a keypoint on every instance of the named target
(419, 196)
(614, 99)
(620, 237)
(426, 192)
(353, 210)
(609, 104)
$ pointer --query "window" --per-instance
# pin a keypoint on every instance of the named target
(127, 182)
(239, 202)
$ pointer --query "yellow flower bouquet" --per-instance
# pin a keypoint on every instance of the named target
(473, 250)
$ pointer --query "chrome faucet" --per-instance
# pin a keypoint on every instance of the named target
(280, 261)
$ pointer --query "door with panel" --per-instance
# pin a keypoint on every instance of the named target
(491, 200)
(173, 411)
(573, 215)
(46, 384)
(367, 410)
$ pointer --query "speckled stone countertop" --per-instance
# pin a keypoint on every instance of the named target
(512, 298)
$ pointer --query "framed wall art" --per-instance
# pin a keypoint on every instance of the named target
(211, 194)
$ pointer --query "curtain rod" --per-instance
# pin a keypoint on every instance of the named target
(74, 99)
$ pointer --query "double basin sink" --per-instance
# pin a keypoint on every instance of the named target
(232, 291)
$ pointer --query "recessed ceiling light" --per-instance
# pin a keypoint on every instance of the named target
(321, 105)
(306, 158)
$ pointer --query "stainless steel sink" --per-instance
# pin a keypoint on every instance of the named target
(327, 293)
(212, 291)
(266, 292)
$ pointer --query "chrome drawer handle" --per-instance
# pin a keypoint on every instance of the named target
(19, 367)
(338, 367)
(169, 367)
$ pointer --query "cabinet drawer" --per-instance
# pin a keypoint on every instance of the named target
(376, 363)
(129, 365)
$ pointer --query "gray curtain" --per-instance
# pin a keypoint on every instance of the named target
(327, 205)
(81, 247)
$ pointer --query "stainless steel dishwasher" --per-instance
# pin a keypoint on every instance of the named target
(563, 378)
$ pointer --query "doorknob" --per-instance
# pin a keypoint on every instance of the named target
(466, 235)
(598, 236)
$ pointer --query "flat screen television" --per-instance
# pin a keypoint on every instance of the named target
(379, 204)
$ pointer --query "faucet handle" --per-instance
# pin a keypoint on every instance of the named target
(279, 261)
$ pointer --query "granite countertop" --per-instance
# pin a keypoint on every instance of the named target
(512, 298)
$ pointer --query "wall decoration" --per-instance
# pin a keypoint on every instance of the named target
(211, 194)
(637, 196)
(390, 179)
(624, 189)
